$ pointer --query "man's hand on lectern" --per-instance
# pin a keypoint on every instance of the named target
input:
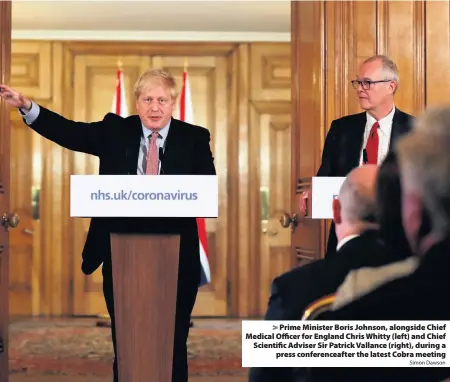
(14, 98)
(304, 198)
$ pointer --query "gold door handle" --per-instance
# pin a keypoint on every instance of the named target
(28, 231)
(286, 220)
(9, 220)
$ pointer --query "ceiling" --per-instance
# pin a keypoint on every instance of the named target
(235, 16)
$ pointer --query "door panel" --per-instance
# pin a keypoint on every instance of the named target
(273, 126)
(308, 236)
(5, 60)
(269, 138)
(21, 259)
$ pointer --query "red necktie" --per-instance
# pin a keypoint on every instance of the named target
(152, 156)
(372, 145)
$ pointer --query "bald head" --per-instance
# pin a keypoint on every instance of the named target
(357, 195)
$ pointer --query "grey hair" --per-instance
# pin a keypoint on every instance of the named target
(434, 121)
(389, 67)
(425, 167)
(357, 202)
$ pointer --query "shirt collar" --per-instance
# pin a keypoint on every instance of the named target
(344, 241)
(383, 122)
(163, 132)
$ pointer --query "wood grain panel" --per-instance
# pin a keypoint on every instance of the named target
(5, 65)
(21, 238)
(31, 68)
(437, 53)
(362, 31)
(308, 115)
(271, 136)
(271, 62)
(405, 44)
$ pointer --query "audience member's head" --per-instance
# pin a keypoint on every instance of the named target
(435, 121)
(389, 211)
(354, 210)
(424, 163)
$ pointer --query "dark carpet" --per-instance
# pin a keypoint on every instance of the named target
(79, 347)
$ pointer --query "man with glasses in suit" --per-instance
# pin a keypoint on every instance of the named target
(366, 137)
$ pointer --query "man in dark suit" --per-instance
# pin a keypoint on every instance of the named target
(359, 246)
(365, 137)
(424, 166)
(132, 145)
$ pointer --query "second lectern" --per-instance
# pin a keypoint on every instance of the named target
(145, 234)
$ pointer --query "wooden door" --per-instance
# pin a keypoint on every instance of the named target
(269, 105)
(21, 259)
(308, 125)
(5, 59)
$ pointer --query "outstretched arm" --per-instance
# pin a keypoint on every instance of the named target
(76, 136)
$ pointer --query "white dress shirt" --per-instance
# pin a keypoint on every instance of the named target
(145, 142)
(344, 241)
(384, 134)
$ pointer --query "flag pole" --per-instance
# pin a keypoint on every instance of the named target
(120, 65)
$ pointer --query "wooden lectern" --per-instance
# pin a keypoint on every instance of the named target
(145, 275)
(146, 233)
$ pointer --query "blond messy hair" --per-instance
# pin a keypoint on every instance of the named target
(156, 76)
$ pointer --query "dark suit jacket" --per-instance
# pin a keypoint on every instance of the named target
(343, 145)
(293, 291)
(116, 140)
(423, 295)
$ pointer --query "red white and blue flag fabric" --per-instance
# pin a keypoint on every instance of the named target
(187, 115)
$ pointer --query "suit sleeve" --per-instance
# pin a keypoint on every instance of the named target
(76, 136)
(204, 160)
(275, 309)
(328, 154)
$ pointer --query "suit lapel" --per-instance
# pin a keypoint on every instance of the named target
(174, 144)
(399, 127)
(356, 138)
(133, 145)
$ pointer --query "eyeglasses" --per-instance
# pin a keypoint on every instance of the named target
(366, 84)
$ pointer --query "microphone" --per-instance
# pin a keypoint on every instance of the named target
(365, 158)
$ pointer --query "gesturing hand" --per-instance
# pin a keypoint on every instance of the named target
(13, 98)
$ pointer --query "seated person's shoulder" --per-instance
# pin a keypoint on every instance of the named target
(287, 279)
(392, 300)
(362, 281)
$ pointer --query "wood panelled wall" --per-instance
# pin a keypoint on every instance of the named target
(329, 40)
(241, 93)
(245, 95)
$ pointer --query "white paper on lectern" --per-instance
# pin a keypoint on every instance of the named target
(144, 196)
(324, 189)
